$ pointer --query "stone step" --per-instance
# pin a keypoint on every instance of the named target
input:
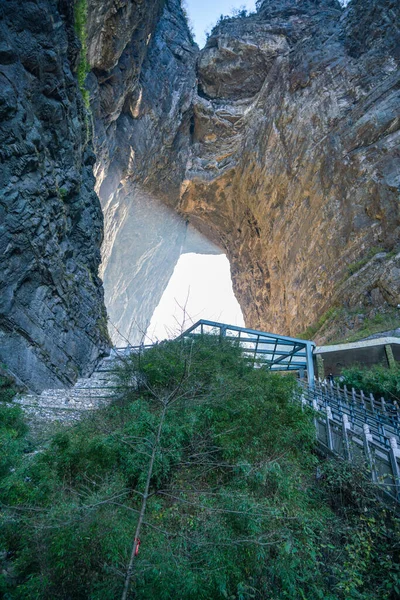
(68, 405)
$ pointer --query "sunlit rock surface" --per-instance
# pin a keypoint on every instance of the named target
(295, 163)
(279, 142)
(142, 88)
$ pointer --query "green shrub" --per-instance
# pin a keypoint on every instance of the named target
(7, 389)
(310, 332)
(81, 13)
(377, 380)
(234, 509)
(12, 431)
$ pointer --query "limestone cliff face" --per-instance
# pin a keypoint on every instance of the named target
(52, 317)
(295, 162)
(279, 142)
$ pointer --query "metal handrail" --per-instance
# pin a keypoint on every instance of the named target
(346, 428)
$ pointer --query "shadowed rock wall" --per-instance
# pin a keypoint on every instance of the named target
(52, 316)
(142, 87)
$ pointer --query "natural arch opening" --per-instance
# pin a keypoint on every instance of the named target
(200, 288)
(160, 274)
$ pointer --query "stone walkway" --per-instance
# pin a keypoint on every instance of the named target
(67, 405)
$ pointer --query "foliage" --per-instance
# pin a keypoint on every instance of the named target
(371, 567)
(385, 320)
(12, 431)
(7, 387)
(356, 266)
(376, 380)
(185, 12)
(234, 509)
(310, 332)
(382, 321)
(80, 14)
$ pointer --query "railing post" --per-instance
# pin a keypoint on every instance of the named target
(328, 428)
(346, 443)
(372, 401)
(362, 401)
(346, 393)
(310, 364)
(394, 452)
(367, 438)
(315, 407)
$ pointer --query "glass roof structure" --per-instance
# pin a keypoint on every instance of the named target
(276, 352)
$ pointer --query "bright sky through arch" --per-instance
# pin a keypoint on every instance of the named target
(202, 283)
(204, 14)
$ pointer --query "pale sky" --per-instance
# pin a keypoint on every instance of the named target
(203, 283)
(204, 14)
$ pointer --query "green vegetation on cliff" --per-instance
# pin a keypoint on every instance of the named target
(217, 462)
(80, 13)
(7, 385)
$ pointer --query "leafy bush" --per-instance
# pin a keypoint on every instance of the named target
(376, 380)
(12, 431)
(219, 459)
(7, 389)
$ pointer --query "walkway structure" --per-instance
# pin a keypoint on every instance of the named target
(276, 352)
(358, 428)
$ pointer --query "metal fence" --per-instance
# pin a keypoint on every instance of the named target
(276, 352)
(358, 428)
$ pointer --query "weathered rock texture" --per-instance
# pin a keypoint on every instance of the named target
(295, 161)
(284, 153)
(279, 142)
(142, 87)
(52, 317)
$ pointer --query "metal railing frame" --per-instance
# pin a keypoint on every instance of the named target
(355, 427)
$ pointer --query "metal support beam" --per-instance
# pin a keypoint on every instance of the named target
(310, 364)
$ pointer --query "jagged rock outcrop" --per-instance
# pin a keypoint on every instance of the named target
(295, 159)
(52, 316)
(286, 153)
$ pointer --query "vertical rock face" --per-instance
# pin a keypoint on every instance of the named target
(280, 144)
(52, 317)
(295, 159)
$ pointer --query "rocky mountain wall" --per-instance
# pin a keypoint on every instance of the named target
(52, 315)
(278, 142)
(142, 87)
(295, 162)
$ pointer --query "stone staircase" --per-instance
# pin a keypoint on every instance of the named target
(67, 405)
